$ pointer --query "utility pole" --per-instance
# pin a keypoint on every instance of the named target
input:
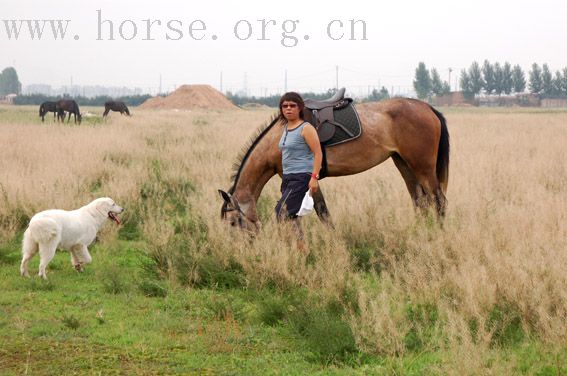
(246, 84)
(450, 70)
(159, 90)
(337, 78)
(285, 82)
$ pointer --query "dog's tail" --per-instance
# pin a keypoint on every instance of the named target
(43, 230)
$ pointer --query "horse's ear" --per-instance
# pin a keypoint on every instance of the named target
(225, 196)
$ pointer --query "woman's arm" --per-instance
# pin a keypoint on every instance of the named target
(312, 139)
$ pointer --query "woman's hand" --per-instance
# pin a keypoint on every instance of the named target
(313, 185)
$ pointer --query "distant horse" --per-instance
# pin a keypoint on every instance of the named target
(46, 107)
(409, 131)
(71, 107)
(115, 106)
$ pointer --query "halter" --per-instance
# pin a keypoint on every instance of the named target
(237, 208)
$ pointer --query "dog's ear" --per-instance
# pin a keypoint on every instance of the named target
(103, 206)
(99, 206)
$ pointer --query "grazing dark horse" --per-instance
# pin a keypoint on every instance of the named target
(115, 106)
(71, 107)
(409, 131)
(46, 107)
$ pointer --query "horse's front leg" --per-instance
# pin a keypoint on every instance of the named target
(321, 208)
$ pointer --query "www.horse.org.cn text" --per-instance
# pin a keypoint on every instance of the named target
(286, 32)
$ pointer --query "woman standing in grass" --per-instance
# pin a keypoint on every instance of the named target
(301, 158)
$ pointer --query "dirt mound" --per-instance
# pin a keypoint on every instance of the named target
(189, 97)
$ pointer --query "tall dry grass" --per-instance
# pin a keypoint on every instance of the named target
(494, 274)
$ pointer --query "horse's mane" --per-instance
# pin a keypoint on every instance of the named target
(248, 148)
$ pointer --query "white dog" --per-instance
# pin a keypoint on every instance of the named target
(72, 230)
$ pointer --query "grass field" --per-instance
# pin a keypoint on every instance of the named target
(174, 291)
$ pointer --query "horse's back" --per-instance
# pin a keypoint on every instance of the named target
(115, 106)
(68, 105)
(410, 109)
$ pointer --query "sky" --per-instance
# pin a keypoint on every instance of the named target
(227, 40)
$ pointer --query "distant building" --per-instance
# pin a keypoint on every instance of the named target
(38, 89)
(454, 98)
(554, 102)
(8, 99)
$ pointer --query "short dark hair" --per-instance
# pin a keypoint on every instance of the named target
(294, 97)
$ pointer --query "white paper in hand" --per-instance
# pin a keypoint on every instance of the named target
(306, 205)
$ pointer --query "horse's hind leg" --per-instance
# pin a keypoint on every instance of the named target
(321, 208)
(422, 184)
(432, 193)
(409, 177)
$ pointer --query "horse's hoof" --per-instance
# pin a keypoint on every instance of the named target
(79, 268)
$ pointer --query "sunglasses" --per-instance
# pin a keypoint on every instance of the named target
(290, 105)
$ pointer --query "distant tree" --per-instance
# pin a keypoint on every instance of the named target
(475, 78)
(547, 80)
(422, 83)
(436, 83)
(564, 82)
(518, 79)
(498, 79)
(378, 95)
(557, 84)
(536, 83)
(9, 82)
(466, 86)
(507, 81)
(446, 88)
(488, 82)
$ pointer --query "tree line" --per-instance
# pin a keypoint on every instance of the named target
(274, 100)
(494, 78)
(37, 99)
(428, 83)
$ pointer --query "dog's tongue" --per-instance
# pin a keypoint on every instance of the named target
(114, 218)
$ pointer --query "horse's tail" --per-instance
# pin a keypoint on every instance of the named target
(443, 152)
(41, 109)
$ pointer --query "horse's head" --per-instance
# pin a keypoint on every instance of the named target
(79, 118)
(233, 213)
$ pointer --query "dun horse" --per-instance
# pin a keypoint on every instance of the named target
(48, 107)
(409, 131)
(115, 106)
(71, 107)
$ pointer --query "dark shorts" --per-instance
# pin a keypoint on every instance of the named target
(293, 190)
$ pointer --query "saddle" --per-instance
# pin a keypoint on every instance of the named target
(322, 113)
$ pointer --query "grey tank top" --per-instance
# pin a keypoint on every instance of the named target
(296, 154)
